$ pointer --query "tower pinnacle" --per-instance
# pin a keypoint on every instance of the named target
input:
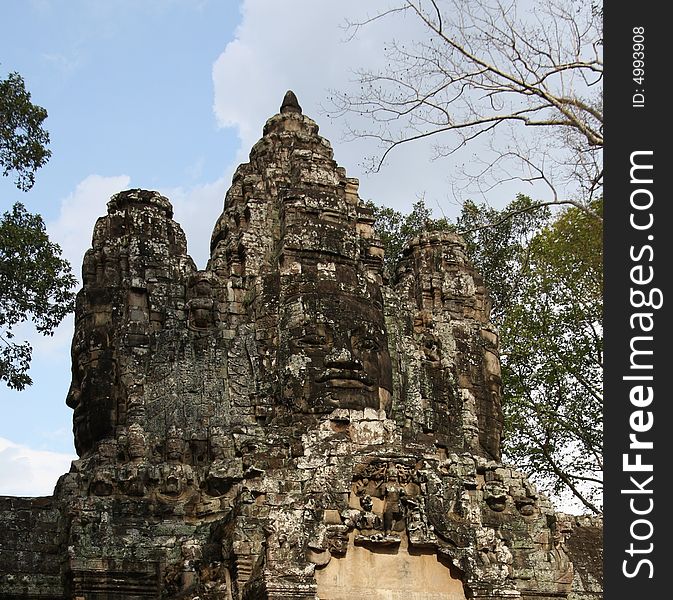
(290, 103)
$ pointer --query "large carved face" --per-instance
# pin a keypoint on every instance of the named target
(334, 351)
(90, 393)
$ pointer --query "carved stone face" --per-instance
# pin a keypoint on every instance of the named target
(200, 303)
(334, 353)
(91, 392)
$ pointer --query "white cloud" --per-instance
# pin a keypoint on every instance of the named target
(301, 45)
(63, 63)
(73, 228)
(304, 45)
(196, 209)
(25, 471)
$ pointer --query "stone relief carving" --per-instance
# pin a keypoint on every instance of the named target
(242, 427)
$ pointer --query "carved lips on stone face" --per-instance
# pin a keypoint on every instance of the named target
(336, 353)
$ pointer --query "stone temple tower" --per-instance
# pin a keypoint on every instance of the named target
(286, 423)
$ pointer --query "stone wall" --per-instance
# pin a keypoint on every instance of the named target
(31, 549)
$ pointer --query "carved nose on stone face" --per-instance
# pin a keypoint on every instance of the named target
(72, 400)
(342, 358)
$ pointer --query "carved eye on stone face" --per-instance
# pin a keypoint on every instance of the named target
(316, 337)
(311, 340)
(367, 344)
(366, 338)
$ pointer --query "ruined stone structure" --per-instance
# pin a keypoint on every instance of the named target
(286, 423)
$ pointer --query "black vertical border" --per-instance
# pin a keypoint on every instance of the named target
(630, 128)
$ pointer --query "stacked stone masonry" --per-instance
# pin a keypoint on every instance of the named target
(287, 423)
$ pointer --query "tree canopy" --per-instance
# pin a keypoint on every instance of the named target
(35, 284)
(545, 273)
(396, 229)
(35, 281)
(23, 140)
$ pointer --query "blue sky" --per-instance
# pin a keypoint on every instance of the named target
(169, 95)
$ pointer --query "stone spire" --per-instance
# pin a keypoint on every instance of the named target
(290, 103)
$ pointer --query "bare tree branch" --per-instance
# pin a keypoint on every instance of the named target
(483, 66)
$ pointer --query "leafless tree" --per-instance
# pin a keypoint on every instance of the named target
(523, 87)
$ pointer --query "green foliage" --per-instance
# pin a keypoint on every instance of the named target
(35, 284)
(545, 273)
(396, 229)
(23, 141)
(497, 243)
